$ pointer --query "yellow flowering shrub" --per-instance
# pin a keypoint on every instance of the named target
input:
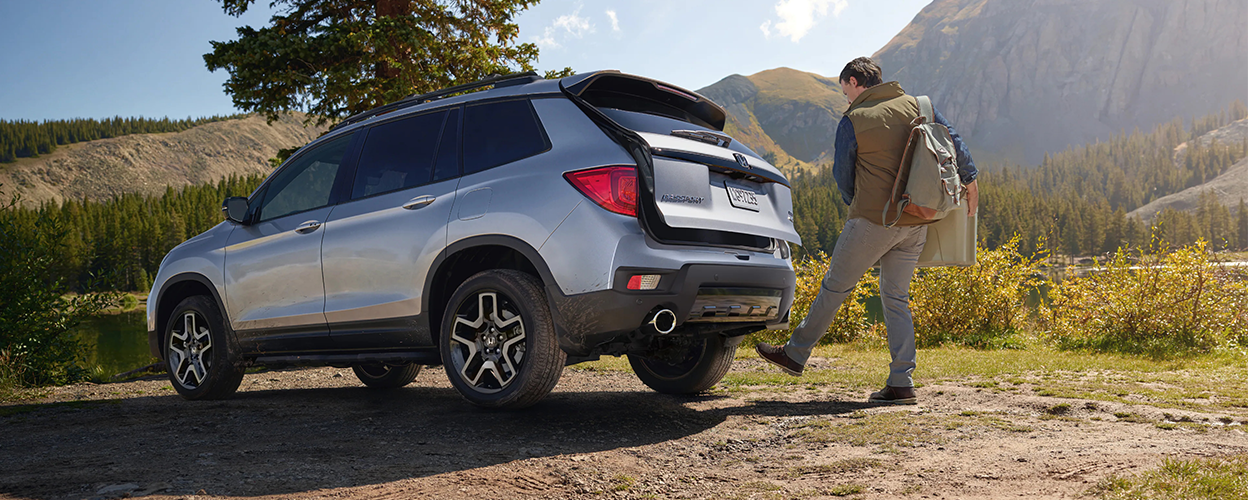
(984, 305)
(1162, 304)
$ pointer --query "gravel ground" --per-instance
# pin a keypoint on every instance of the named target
(318, 433)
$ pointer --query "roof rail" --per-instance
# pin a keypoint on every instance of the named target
(413, 100)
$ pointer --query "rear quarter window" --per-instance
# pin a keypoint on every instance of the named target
(497, 133)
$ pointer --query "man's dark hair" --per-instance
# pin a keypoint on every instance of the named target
(864, 70)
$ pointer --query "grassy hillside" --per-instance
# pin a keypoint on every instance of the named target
(784, 114)
(148, 163)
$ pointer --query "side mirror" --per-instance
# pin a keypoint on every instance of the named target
(235, 208)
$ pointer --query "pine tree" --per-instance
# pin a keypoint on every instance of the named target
(1242, 222)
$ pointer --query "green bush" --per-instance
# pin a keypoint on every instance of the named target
(36, 316)
(1163, 304)
(982, 306)
(128, 302)
(851, 322)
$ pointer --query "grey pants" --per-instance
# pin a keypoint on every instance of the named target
(859, 246)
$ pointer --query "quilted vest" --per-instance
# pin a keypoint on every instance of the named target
(881, 116)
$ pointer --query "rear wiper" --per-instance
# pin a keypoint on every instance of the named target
(706, 136)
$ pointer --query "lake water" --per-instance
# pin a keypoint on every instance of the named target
(116, 343)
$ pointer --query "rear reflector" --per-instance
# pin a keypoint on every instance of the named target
(613, 188)
(643, 282)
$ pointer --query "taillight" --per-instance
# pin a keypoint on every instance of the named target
(613, 188)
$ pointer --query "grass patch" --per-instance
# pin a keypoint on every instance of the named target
(862, 429)
(1211, 382)
(605, 364)
(1224, 478)
(844, 466)
(843, 490)
(1123, 416)
(1058, 409)
(622, 482)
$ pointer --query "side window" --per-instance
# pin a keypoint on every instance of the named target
(500, 132)
(307, 182)
(447, 165)
(398, 155)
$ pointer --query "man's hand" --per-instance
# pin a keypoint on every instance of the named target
(972, 198)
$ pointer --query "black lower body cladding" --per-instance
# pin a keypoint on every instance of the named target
(587, 321)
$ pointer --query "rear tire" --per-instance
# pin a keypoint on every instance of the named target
(197, 351)
(703, 365)
(382, 376)
(498, 340)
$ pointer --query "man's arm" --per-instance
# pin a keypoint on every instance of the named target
(844, 158)
(966, 165)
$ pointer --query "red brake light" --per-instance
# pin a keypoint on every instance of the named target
(613, 188)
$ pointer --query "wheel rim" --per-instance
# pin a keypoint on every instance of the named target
(688, 361)
(189, 350)
(488, 342)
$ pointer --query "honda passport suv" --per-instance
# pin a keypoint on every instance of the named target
(502, 234)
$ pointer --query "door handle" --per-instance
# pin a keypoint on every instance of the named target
(308, 227)
(418, 202)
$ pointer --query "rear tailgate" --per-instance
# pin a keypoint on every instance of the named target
(704, 186)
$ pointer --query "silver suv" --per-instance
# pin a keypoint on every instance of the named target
(502, 234)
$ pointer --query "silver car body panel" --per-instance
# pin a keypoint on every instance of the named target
(377, 254)
(689, 195)
(273, 274)
(202, 255)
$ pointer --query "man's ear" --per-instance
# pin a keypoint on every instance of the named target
(853, 81)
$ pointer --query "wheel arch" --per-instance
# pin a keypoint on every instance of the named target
(466, 257)
(176, 289)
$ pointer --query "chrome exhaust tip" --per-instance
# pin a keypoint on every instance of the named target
(663, 321)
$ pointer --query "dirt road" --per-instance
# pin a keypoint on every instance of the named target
(317, 433)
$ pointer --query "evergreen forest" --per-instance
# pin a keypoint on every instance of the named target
(24, 139)
(118, 244)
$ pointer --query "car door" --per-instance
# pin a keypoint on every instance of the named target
(380, 245)
(274, 290)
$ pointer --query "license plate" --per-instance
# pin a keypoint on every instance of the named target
(742, 197)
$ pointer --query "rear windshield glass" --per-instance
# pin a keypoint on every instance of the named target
(642, 122)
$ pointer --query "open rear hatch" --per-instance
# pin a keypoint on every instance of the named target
(697, 184)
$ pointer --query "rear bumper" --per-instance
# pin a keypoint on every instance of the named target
(587, 321)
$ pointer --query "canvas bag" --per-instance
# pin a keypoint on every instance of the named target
(930, 165)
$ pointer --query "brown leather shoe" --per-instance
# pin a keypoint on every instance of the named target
(775, 354)
(894, 395)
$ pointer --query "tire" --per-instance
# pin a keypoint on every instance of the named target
(382, 376)
(197, 351)
(703, 365)
(508, 360)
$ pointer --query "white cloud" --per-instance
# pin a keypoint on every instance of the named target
(567, 25)
(797, 17)
(766, 27)
(615, 21)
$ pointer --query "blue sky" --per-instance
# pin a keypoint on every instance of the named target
(79, 58)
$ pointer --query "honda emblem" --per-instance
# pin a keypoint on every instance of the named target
(742, 160)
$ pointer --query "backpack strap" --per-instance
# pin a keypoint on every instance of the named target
(925, 108)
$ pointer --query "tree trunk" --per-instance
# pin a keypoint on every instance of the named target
(390, 8)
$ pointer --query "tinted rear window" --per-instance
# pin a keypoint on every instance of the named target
(497, 133)
(398, 155)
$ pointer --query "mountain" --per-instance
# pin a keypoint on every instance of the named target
(1229, 187)
(783, 112)
(1026, 77)
(148, 163)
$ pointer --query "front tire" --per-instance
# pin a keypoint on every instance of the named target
(498, 340)
(696, 368)
(197, 351)
(383, 376)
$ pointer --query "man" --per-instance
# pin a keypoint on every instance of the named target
(870, 142)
